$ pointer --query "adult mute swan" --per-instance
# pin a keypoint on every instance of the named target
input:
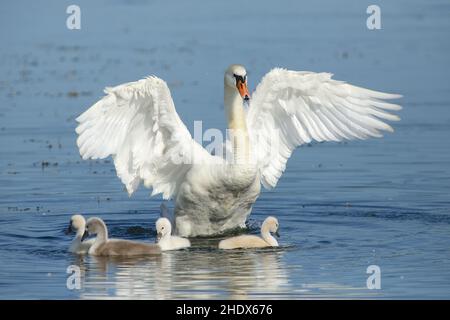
(165, 238)
(270, 225)
(103, 246)
(137, 124)
(78, 224)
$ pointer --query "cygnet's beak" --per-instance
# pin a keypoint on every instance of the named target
(277, 234)
(243, 90)
(85, 235)
(69, 229)
(158, 236)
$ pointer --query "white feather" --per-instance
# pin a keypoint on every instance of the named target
(299, 107)
(137, 124)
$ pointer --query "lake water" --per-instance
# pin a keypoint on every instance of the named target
(342, 206)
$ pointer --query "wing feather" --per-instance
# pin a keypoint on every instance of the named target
(291, 108)
(137, 124)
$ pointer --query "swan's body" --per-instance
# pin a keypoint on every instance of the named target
(249, 241)
(78, 224)
(138, 125)
(103, 246)
(166, 240)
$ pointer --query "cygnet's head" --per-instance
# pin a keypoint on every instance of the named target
(163, 228)
(271, 224)
(236, 79)
(77, 222)
(94, 226)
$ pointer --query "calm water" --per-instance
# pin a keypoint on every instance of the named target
(342, 207)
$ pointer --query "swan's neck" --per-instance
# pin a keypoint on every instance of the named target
(237, 125)
(79, 234)
(265, 234)
(101, 237)
(165, 237)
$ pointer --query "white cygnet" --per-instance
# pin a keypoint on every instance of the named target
(166, 240)
(78, 225)
(103, 246)
(270, 225)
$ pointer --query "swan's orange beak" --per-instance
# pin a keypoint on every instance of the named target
(243, 90)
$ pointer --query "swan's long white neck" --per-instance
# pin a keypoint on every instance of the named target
(102, 235)
(79, 234)
(76, 242)
(265, 234)
(237, 125)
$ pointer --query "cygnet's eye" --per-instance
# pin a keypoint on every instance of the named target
(162, 228)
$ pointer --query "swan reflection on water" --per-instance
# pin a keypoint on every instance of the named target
(187, 274)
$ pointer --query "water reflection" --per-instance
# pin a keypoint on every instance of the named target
(188, 274)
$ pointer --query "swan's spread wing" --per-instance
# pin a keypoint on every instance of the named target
(137, 124)
(291, 108)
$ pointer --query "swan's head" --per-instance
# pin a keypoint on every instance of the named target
(94, 226)
(271, 225)
(236, 79)
(77, 222)
(163, 228)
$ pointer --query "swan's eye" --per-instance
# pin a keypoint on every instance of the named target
(240, 78)
(162, 228)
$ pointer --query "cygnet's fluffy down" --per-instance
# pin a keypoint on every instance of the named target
(78, 225)
(165, 238)
(270, 225)
(115, 247)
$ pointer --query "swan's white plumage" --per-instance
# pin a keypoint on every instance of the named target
(166, 240)
(299, 107)
(78, 224)
(137, 124)
(79, 247)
